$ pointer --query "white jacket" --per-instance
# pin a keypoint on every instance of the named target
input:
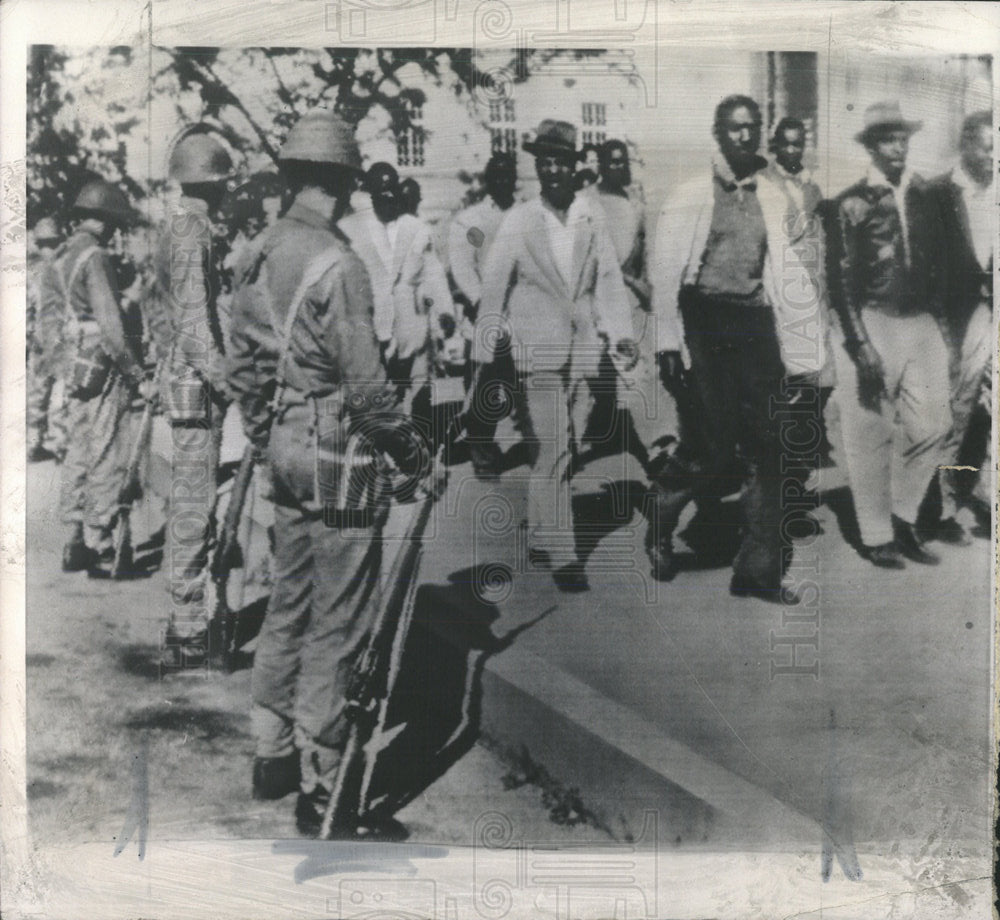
(793, 268)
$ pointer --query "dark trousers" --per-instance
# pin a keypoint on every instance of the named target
(494, 396)
(729, 407)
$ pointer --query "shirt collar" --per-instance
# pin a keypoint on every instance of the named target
(800, 178)
(578, 210)
(724, 173)
(303, 214)
(197, 205)
(876, 179)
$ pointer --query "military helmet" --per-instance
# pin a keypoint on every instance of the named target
(322, 136)
(106, 201)
(46, 231)
(199, 158)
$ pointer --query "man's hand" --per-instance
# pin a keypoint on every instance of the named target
(447, 323)
(671, 367)
(453, 351)
(871, 376)
(148, 389)
(627, 354)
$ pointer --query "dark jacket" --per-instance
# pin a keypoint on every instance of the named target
(963, 281)
(866, 265)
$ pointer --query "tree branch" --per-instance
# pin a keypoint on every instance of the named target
(210, 80)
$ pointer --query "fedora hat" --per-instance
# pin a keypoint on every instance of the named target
(553, 137)
(884, 115)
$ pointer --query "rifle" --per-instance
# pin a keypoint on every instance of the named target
(131, 491)
(374, 675)
(227, 556)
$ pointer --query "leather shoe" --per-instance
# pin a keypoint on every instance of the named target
(885, 555)
(951, 532)
(662, 566)
(485, 461)
(78, 557)
(539, 558)
(276, 777)
(983, 515)
(910, 544)
(571, 578)
(310, 809)
(741, 586)
(38, 453)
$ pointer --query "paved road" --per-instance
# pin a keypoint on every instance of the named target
(878, 744)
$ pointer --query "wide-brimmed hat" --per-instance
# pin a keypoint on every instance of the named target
(882, 116)
(553, 138)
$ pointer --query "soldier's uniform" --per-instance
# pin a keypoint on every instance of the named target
(303, 326)
(46, 409)
(95, 465)
(194, 389)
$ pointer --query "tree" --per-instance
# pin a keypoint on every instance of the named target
(64, 154)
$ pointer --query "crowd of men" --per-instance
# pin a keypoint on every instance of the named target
(713, 350)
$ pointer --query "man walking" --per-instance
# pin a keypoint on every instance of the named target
(644, 401)
(413, 305)
(966, 211)
(305, 365)
(470, 240)
(713, 297)
(553, 285)
(892, 364)
(194, 385)
(104, 373)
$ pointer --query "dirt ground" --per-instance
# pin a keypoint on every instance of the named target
(110, 740)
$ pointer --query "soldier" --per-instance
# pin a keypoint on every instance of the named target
(305, 363)
(553, 284)
(194, 384)
(102, 380)
(470, 239)
(44, 419)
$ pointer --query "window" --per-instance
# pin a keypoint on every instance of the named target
(792, 88)
(410, 141)
(503, 132)
(595, 120)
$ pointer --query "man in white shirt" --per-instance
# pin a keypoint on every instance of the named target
(413, 305)
(967, 211)
(553, 285)
(470, 239)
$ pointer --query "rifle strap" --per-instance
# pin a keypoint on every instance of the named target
(67, 285)
(312, 275)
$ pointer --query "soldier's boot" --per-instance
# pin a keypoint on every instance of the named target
(184, 653)
(310, 809)
(77, 556)
(276, 777)
(37, 451)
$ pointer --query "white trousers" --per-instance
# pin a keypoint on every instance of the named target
(892, 452)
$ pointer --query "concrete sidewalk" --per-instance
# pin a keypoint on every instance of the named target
(858, 719)
(682, 699)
